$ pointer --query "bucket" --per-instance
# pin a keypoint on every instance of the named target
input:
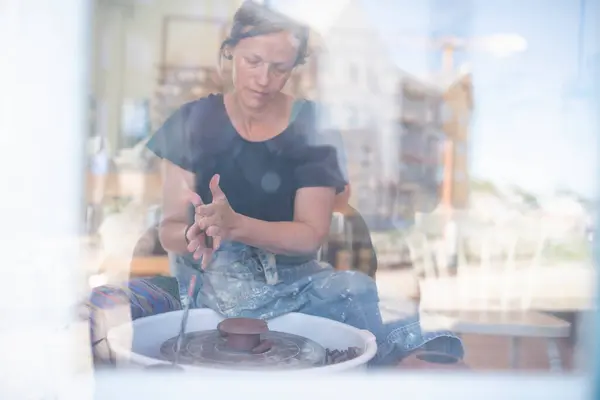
(142, 349)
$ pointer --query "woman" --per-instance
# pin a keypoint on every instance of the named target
(263, 183)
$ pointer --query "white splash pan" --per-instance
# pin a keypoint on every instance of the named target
(140, 347)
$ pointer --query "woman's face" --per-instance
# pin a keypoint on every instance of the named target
(262, 65)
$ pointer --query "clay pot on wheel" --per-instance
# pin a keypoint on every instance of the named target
(243, 334)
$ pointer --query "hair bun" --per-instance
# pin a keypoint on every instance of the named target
(253, 19)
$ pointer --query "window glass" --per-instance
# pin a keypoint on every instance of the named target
(430, 163)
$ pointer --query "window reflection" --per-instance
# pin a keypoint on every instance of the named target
(470, 205)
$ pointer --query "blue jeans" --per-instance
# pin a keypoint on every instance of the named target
(243, 281)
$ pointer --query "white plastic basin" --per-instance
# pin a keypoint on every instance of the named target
(141, 347)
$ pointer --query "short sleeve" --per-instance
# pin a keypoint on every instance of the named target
(333, 138)
(173, 140)
(324, 161)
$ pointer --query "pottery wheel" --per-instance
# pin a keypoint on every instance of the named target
(209, 349)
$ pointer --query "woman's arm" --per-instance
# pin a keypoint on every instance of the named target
(341, 200)
(178, 143)
(304, 235)
(177, 185)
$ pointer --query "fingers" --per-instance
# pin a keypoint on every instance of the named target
(194, 198)
(216, 242)
(206, 210)
(196, 238)
(204, 253)
(213, 231)
(215, 189)
(200, 251)
(207, 253)
(206, 257)
(198, 244)
(204, 223)
(197, 253)
(195, 244)
(193, 232)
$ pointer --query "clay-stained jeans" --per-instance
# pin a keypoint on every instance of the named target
(234, 285)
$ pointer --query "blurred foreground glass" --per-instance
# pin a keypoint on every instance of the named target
(144, 65)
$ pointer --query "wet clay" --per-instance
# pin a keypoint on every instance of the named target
(338, 356)
(246, 343)
(276, 350)
(244, 334)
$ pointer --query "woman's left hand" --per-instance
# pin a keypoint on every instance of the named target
(217, 219)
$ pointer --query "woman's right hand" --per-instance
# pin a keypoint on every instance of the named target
(196, 237)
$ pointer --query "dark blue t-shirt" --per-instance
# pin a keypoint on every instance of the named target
(260, 179)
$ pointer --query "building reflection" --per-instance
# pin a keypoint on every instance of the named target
(395, 126)
(406, 137)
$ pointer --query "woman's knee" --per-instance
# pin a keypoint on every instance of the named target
(406, 338)
(428, 360)
(447, 344)
(444, 352)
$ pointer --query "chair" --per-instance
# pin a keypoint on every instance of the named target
(349, 232)
(492, 291)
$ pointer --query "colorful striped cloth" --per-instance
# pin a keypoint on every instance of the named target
(112, 305)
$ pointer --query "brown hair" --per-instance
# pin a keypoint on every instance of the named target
(253, 19)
